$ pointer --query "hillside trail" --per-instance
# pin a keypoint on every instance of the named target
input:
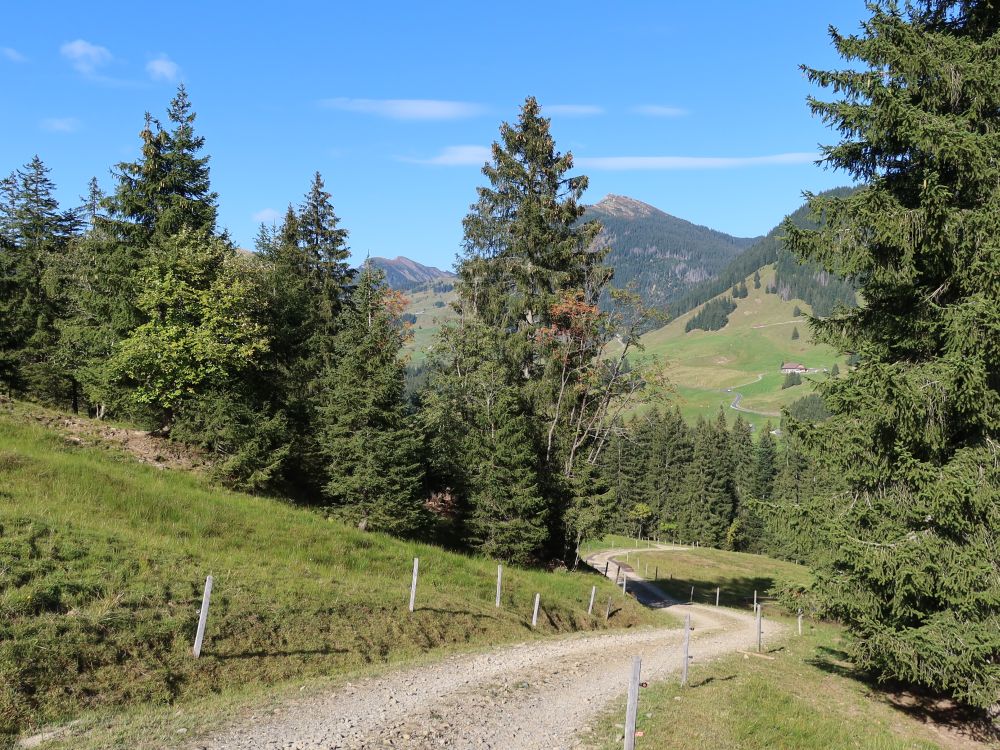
(529, 696)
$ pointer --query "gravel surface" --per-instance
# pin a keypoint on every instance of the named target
(541, 694)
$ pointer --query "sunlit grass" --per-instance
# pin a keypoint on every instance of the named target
(103, 560)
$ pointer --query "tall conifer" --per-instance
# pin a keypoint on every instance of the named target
(916, 424)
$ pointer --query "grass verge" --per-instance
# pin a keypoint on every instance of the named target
(796, 700)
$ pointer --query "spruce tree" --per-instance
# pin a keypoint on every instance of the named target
(374, 473)
(36, 239)
(916, 423)
(765, 464)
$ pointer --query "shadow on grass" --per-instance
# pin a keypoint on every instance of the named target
(464, 612)
(924, 706)
(733, 592)
(262, 654)
(709, 680)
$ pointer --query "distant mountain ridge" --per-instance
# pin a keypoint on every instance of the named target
(404, 274)
(662, 255)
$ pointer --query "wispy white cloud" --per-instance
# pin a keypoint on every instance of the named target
(12, 55)
(692, 162)
(573, 110)
(407, 109)
(60, 124)
(658, 110)
(85, 57)
(162, 68)
(266, 216)
(458, 156)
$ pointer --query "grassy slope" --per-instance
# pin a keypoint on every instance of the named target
(429, 320)
(806, 698)
(702, 364)
(102, 562)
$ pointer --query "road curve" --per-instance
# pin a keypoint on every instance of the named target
(530, 696)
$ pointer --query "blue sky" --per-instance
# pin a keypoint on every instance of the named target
(697, 108)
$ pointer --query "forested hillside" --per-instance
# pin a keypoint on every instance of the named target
(794, 278)
(661, 255)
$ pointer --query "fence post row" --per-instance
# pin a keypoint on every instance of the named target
(632, 707)
(202, 617)
(413, 584)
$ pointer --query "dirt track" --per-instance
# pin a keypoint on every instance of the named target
(533, 695)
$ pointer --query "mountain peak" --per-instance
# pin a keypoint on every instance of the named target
(625, 207)
(404, 273)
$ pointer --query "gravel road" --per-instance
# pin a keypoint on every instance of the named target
(541, 694)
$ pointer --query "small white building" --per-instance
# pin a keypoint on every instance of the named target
(787, 367)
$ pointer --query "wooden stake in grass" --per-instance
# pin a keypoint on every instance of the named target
(203, 617)
(413, 584)
(499, 583)
(656, 573)
(593, 593)
(607, 613)
(692, 594)
(624, 581)
(718, 590)
(759, 629)
(687, 647)
(632, 707)
(755, 600)
(534, 616)
(800, 621)
(606, 564)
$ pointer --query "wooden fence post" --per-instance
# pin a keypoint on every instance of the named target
(607, 614)
(718, 590)
(593, 593)
(632, 707)
(499, 583)
(203, 617)
(755, 600)
(656, 573)
(606, 564)
(534, 615)
(624, 581)
(413, 584)
(687, 647)
(800, 621)
(759, 629)
(692, 594)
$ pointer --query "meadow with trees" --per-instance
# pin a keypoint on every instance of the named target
(538, 423)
